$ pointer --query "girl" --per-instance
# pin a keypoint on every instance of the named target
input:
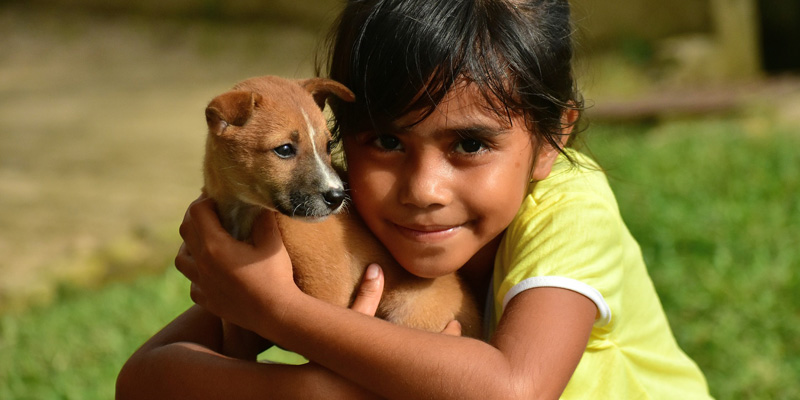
(457, 159)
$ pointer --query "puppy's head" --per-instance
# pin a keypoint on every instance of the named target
(270, 146)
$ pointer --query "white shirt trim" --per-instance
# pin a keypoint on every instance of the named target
(603, 310)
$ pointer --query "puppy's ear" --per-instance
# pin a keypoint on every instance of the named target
(231, 108)
(322, 88)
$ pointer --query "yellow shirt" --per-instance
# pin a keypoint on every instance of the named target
(569, 233)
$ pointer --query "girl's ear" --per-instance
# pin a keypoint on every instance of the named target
(543, 162)
(568, 119)
(547, 153)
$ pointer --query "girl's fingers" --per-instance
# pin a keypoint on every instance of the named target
(370, 291)
(204, 223)
(453, 328)
(266, 235)
(184, 262)
(369, 296)
(189, 229)
(197, 295)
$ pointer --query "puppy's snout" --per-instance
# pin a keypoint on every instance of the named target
(333, 198)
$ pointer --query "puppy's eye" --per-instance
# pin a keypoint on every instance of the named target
(331, 146)
(285, 151)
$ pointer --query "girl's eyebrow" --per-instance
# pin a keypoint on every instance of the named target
(472, 131)
(469, 131)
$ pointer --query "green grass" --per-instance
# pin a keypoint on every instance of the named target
(74, 348)
(713, 205)
(715, 208)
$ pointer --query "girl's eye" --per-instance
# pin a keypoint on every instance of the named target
(388, 142)
(470, 146)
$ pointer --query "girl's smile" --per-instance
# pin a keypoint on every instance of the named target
(429, 234)
(439, 191)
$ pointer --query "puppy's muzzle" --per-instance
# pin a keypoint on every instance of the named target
(312, 204)
(333, 198)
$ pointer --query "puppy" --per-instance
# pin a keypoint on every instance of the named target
(269, 148)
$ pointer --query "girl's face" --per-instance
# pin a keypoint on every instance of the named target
(438, 192)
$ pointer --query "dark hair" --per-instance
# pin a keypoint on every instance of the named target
(399, 56)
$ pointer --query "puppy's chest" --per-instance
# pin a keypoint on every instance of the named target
(323, 264)
(238, 220)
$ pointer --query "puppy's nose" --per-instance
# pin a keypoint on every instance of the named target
(333, 198)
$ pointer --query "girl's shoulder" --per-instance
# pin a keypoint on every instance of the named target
(575, 197)
(574, 175)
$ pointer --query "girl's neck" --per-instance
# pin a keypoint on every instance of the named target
(477, 272)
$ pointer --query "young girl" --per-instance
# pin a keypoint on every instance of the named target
(456, 159)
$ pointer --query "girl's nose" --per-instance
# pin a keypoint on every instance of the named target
(427, 182)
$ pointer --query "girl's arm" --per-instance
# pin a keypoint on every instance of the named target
(184, 360)
(534, 352)
(176, 364)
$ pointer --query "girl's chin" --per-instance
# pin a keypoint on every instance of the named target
(429, 267)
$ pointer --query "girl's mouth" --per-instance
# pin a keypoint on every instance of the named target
(429, 233)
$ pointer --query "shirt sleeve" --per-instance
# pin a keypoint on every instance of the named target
(571, 241)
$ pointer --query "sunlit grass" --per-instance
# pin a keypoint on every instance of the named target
(74, 348)
(716, 211)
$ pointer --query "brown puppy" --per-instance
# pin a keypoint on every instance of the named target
(269, 147)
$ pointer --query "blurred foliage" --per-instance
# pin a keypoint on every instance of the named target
(312, 13)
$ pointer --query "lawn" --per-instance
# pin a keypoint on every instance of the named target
(715, 208)
(74, 348)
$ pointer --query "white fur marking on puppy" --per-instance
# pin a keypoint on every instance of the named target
(333, 181)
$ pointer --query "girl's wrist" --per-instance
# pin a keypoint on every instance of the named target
(276, 311)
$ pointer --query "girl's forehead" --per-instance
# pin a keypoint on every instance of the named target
(464, 103)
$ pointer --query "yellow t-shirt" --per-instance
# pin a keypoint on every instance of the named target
(569, 233)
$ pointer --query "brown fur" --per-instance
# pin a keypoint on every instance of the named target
(245, 176)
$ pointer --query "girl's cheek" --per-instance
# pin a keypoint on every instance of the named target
(361, 192)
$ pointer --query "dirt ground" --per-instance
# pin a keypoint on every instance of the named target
(101, 132)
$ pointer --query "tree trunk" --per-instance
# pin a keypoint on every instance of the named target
(736, 25)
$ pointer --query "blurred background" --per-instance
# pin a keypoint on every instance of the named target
(693, 109)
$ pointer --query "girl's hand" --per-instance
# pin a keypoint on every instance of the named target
(369, 296)
(239, 282)
(370, 292)
(244, 283)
